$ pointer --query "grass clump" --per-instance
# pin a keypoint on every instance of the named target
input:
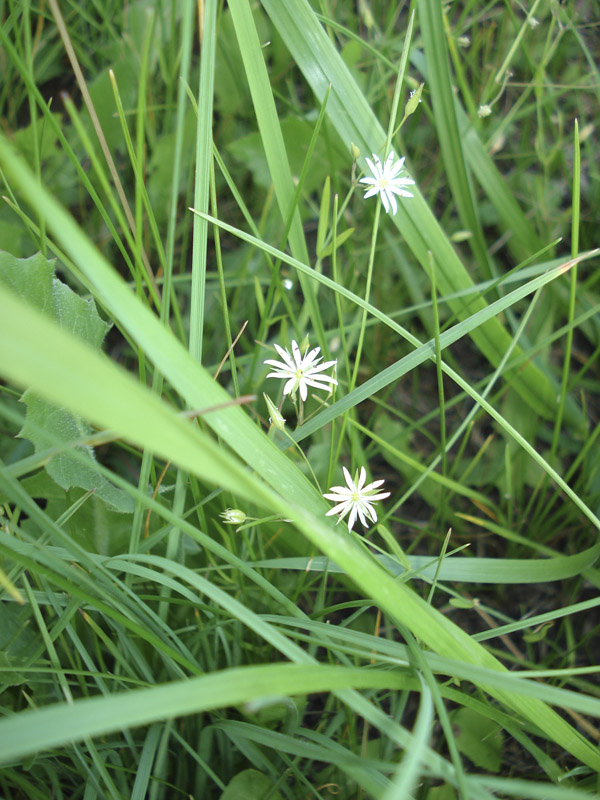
(185, 221)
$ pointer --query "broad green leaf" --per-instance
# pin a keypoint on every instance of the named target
(47, 425)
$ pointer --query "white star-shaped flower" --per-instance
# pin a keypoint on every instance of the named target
(386, 181)
(355, 498)
(301, 370)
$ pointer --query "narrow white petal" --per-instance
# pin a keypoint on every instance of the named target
(336, 498)
(309, 358)
(341, 509)
(397, 168)
(370, 192)
(352, 517)
(316, 384)
(361, 479)
(371, 512)
(341, 490)
(290, 385)
(361, 515)
(322, 380)
(397, 189)
(374, 167)
(281, 367)
(381, 496)
(392, 201)
(280, 374)
(371, 486)
(285, 356)
(349, 480)
(321, 367)
(296, 353)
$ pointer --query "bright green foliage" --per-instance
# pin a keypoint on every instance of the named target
(179, 616)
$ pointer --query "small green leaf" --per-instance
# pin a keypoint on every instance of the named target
(539, 633)
(18, 641)
(445, 792)
(340, 239)
(413, 101)
(250, 785)
(323, 215)
(479, 738)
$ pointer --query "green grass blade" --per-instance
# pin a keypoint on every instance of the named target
(32, 731)
(431, 19)
(462, 569)
(274, 146)
(203, 170)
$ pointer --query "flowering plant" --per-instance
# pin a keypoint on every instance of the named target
(355, 498)
(387, 181)
(301, 371)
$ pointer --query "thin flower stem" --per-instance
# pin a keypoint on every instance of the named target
(363, 321)
(440, 380)
(306, 461)
(439, 567)
(399, 82)
(572, 293)
(333, 457)
(337, 297)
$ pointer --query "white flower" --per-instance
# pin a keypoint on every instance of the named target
(484, 111)
(355, 498)
(386, 181)
(301, 370)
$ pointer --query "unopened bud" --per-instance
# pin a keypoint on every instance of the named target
(233, 516)
(304, 344)
(275, 418)
(413, 101)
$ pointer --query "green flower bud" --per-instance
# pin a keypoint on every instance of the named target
(275, 418)
(233, 516)
(304, 345)
(413, 101)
